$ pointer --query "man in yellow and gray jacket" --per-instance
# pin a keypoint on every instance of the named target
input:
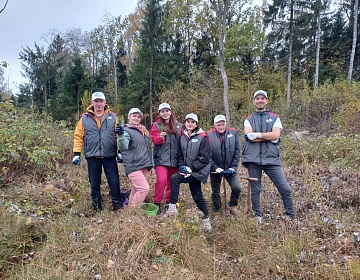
(95, 132)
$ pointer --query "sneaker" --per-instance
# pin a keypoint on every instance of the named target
(171, 211)
(205, 225)
(258, 220)
(234, 211)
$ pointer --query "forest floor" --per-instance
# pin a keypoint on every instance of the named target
(49, 232)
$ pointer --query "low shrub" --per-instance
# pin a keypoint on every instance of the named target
(30, 143)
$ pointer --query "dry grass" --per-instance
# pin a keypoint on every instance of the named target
(54, 236)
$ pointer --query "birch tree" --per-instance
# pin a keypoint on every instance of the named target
(353, 48)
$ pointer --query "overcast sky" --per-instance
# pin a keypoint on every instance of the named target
(24, 22)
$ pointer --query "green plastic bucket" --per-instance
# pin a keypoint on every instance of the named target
(150, 209)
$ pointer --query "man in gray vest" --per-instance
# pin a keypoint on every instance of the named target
(261, 153)
(225, 158)
(95, 132)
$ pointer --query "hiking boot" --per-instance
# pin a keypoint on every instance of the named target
(234, 211)
(258, 220)
(170, 211)
(205, 225)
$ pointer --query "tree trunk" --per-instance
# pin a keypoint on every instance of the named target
(288, 95)
(221, 8)
(115, 78)
(318, 35)
(352, 57)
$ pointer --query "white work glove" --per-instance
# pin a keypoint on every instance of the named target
(76, 160)
(254, 135)
(188, 169)
(219, 170)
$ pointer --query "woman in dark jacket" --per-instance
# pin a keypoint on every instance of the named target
(165, 133)
(194, 168)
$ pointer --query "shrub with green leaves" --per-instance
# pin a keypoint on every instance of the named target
(30, 143)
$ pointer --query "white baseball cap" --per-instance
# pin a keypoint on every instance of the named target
(219, 118)
(164, 106)
(97, 95)
(261, 92)
(135, 110)
(192, 116)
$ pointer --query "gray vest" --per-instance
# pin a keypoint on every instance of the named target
(225, 153)
(264, 152)
(139, 153)
(166, 154)
(99, 142)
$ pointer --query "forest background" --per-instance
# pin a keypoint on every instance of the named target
(206, 57)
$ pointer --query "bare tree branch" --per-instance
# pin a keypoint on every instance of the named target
(4, 6)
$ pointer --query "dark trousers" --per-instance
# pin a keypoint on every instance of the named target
(95, 166)
(234, 183)
(276, 175)
(195, 189)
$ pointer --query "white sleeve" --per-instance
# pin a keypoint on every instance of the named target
(278, 124)
(247, 124)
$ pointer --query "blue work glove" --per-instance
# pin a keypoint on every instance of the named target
(76, 160)
(185, 169)
(119, 129)
(230, 171)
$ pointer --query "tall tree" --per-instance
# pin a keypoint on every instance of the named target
(149, 72)
(353, 48)
(66, 105)
(245, 43)
(221, 8)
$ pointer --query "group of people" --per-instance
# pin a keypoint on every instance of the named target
(180, 154)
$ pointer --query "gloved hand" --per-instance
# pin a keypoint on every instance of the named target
(76, 160)
(230, 171)
(185, 169)
(219, 170)
(119, 129)
(252, 135)
(119, 158)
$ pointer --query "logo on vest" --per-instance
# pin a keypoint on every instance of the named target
(229, 136)
(269, 120)
(194, 140)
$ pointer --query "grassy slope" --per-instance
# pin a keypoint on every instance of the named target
(48, 233)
